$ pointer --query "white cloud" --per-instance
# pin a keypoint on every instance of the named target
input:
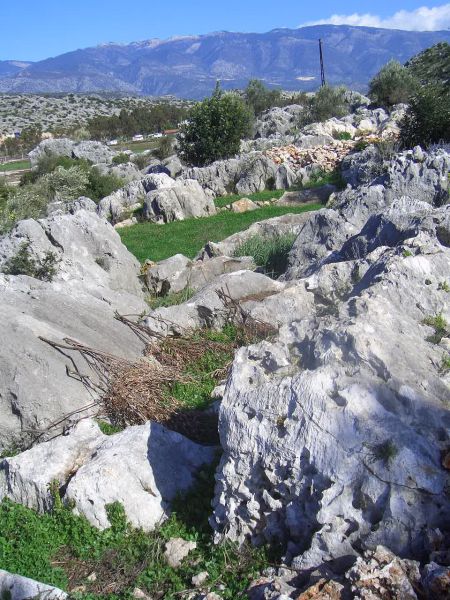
(422, 19)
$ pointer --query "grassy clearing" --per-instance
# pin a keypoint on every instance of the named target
(170, 299)
(157, 242)
(270, 254)
(16, 165)
(62, 549)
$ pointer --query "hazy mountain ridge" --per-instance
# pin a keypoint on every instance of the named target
(189, 66)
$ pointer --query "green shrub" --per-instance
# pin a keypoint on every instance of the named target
(440, 326)
(170, 299)
(427, 119)
(164, 148)
(259, 97)
(271, 254)
(121, 159)
(326, 103)
(342, 135)
(432, 66)
(22, 263)
(214, 129)
(393, 84)
(99, 186)
(141, 160)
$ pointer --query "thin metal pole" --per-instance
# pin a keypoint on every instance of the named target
(322, 68)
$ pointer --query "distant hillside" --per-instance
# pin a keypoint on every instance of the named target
(189, 66)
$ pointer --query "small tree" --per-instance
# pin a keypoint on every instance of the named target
(393, 84)
(326, 103)
(214, 129)
(259, 97)
(427, 119)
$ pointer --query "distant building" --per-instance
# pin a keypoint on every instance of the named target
(138, 138)
(113, 143)
(171, 131)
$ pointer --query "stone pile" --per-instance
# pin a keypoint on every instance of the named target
(326, 158)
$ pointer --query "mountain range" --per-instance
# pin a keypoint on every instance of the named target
(189, 66)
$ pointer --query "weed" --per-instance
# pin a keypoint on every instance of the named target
(321, 177)
(385, 452)
(342, 135)
(108, 428)
(22, 263)
(170, 299)
(361, 145)
(121, 158)
(445, 364)
(444, 286)
(440, 326)
(407, 253)
(270, 253)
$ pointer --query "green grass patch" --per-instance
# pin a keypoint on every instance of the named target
(16, 165)
(171, 299)
(269, 253)
(222, 201)
(320, 178)
(440, 326)
(62, 549)
(157, 242)
(138, 147)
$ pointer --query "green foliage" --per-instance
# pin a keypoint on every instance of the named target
(406, 253)
(432, 66)
(321, 177)
(150, 240)
(427, 119)
(165, 147)
(99, 186)
(141, 160)
(342, 135)
(144, 120)
(445, 364)
(259, 97)
(393, 84)
(171, 299)
(361, 145)
(58, 545)
(444, 286)
(385, 452)
(22, 263)
(214, 129)
(440, 326)
(121, 159)
(107, 428)
(269, 253)
(65, 184)
(326, 103)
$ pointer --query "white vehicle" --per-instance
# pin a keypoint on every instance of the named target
(113, 143)
(156, 135)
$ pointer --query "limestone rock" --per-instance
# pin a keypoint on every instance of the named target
(185, 199)
(176, 551)
(142, 467)
(319, 195)
(16, 587)
(243, 205)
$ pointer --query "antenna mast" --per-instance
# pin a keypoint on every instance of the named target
(322, 68)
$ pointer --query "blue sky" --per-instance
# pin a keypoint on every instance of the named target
(37, 29)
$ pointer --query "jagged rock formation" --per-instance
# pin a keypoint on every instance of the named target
(95, 276)
(333, 431)
(143, 468)
(95, 152)
(16, 587)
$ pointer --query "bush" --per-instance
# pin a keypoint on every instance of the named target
(260, 98)
(99, 186)
(164, 149)
(326, 103)
(121, 159)
(141, 160)
(65, 184)
(393, 84)
(427, 119)
(271, 254)
(432, 66)
(215, 129)
(23, 263)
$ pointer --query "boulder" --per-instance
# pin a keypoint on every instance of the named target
(333, 432)
(143, 468)
(17, 587)
(178, 273)
(183, 200)
(94, 152)
(132, 195)
(243, 205)
(277, 121)
(256, 173)
(171, 166)
(176, 551)
(206, 309)
(284, 225)
(95, 276)
(318, 195)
